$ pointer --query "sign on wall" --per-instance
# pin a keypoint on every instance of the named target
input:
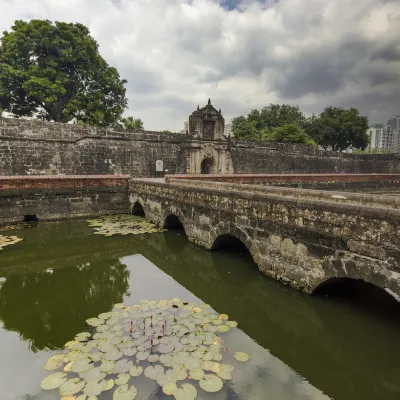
(159, 166)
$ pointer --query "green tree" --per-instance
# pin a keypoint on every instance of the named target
(339, 129)
(242, 128)
(289, 133)
(277, 115)
(55, 71)
(132, 123)
(259, 124)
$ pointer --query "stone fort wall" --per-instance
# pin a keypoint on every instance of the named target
(30, 147)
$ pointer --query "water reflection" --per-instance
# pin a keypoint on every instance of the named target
(345, 352)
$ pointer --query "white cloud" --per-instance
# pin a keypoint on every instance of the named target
(176, 54)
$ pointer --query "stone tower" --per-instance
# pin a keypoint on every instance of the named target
(207, 123)
(209, 151)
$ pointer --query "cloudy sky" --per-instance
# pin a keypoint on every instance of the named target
(243, 54)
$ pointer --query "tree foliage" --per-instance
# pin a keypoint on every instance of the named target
(339, 129)
(335, 128)
(290, 133)
(132, 123)
(55, 71)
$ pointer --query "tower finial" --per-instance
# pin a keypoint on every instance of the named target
(209, 101)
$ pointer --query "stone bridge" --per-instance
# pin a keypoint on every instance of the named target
(305, 238)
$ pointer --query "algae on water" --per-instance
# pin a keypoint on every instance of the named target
(124, 224)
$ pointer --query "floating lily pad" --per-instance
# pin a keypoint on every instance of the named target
(123, 366)
(110, 384)
(94, 322)
(125, 393)
(169, 389)
(154, 372)
(53, 381)
(94, 374)
(142, 355)
(8, 241)
(186, 392)
(113, 355)
(136, 370)
(82, 365)
(122, 379)
(243, 357)
(107, 366)
(55, 362)
(211, 383)
(71, 387)
(197, 374)
(95, 388)
(169, 376)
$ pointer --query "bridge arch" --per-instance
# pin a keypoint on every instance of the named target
(173, 219)
(361, 293)
(227, 234)
(138, 209)
(343, 274)
(173, 223)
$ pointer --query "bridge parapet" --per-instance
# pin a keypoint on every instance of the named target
(299, 238)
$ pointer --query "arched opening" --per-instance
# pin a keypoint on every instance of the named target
(232, 260)
(173, 223)
(30, 218)
(138, 210)
(207, 166)
(231, 244)
(360, 294)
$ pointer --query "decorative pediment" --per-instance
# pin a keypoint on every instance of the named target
(207, 123)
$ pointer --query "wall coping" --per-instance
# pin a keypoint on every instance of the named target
(281, 177)
(61, 177)
(377, 211)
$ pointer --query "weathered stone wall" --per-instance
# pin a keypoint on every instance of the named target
(250, 157)
(348, 182)
(40, 148)
(301, 241)
(52, 198)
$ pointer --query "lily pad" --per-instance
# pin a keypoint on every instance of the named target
(107, 366)
(125, 392)
(197, 374)
(136, 370)
(113, 355)
(211, 383)
(8, 241)
(123, 366)
(82, 365)
(142, 355)
(71, 387)
(53, 381)
(122, 379)
(94, 374)
(186, 392)
(243, 357)
(55, 362)
(154, 372)
(94, 322)
(95, 388)
(169, 389)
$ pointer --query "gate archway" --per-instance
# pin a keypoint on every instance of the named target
(207, 166)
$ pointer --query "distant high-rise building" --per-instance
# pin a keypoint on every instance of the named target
(385, 138)
(393, 133)
(228, 129)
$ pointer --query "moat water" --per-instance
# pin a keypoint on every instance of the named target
(301, 347)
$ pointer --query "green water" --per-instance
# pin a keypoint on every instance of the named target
(61, 274)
